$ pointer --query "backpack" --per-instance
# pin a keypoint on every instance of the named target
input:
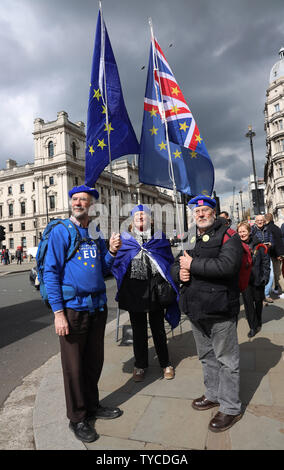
(246, 265)
(75, 241)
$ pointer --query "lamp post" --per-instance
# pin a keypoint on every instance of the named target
(237, 206)
(46, 188)
(242, 209)
(251, 134)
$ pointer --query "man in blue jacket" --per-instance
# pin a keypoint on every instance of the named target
(80, 321)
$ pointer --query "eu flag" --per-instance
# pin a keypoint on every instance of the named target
(164, 103)
(114, 137)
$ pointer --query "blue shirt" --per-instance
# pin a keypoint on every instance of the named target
(84, 273)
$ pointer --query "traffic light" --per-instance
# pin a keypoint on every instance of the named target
(2, 233)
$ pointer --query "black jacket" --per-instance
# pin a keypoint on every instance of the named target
(261, 263)
(278, 246)
(212, 291)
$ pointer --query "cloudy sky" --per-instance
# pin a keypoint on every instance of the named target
(222, 53)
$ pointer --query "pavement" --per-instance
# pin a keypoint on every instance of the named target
(157, 413)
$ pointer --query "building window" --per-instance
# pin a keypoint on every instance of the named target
(9, 189)
(51, 181)
(11, 210)
(33, 185)
(23, 208)
(11, 243)
(50, 149)
(34, 206)
(10, 227)
(52, 202)
(22, 188)
(76, 181)
(24, 242)
(74, 150)
(276, 108)
(280, 145)
(1, 212)
(23, 226)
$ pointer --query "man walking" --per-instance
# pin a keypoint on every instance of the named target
(80, 318)
(260, 230)
(210, 297)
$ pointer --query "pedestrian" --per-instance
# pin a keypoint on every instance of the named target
(254, 295)
(261, 231)
(80, 321)
(276, 251)
(225, 215)
(141, 269)
(209, 275)
(19, 256)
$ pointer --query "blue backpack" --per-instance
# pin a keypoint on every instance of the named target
(75, 241)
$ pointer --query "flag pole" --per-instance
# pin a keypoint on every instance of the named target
(164, 120)
(102, 63)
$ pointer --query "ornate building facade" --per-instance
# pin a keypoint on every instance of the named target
(274, 127)
(33, 193)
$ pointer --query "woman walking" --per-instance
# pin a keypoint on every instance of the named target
(254, 295)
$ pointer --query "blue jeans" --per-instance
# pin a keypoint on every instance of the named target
(218, 350)
(270, 282)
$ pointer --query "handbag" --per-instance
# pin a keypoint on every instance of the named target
(164, 292)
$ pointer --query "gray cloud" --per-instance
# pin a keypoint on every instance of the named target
(221, 56)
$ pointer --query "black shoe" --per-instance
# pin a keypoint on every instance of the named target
(105, 412)
(84, 431)
(251, 333)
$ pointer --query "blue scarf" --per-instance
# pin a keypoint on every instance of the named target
(160, 250)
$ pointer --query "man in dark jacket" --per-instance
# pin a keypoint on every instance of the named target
(209, 296)
(276, 252)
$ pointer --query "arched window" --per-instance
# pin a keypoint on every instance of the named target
(50, 149)
(74, 150)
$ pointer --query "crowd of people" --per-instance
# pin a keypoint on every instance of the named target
(202, 282)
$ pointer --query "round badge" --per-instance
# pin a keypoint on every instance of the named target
(192, 240)
(205, 238)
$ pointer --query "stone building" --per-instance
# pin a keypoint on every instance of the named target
(33, 193)
(274, 127)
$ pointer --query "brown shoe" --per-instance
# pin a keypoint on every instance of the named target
(169, 373)
(222, 421)
(138, 374)
(203, 403)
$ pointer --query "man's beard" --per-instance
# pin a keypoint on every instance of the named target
(79, 214)
(206, 223)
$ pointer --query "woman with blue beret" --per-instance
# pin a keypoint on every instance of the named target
(142, 271)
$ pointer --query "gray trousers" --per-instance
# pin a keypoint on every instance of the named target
(218, 350)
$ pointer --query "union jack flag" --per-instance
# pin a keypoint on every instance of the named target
(165, 103)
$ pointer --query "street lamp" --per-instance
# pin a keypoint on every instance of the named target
(251, 134)
(46, 188)
(242, 209)
(237, 206)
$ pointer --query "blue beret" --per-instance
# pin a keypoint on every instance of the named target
(141, 208)
(84, 189)
(202, 200)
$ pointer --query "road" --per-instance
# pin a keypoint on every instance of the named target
(27, 337)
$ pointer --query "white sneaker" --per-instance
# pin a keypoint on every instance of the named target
(281, 296)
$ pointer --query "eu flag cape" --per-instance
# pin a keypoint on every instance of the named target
(115, 137)
(159, 249)
(164, 103)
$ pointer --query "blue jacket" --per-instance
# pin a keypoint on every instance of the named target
(83, 274)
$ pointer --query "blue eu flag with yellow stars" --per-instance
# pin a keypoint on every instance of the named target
(164, 104)
(112, 137)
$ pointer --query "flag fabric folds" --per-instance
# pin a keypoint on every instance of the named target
(115, 136)
(164, 101)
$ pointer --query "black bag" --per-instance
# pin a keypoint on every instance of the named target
(164, 293)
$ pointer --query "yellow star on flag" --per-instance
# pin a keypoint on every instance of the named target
(104, 110)
(174, 109)
(198, 138)
(108, 128)
(91, 150)
(183, 126)
(193, 154)
(153, 130)
(175, 91)
(153, 112)
(177, 154)
(97, 94)
(101, 143)
(205, 193)
(162, 145)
